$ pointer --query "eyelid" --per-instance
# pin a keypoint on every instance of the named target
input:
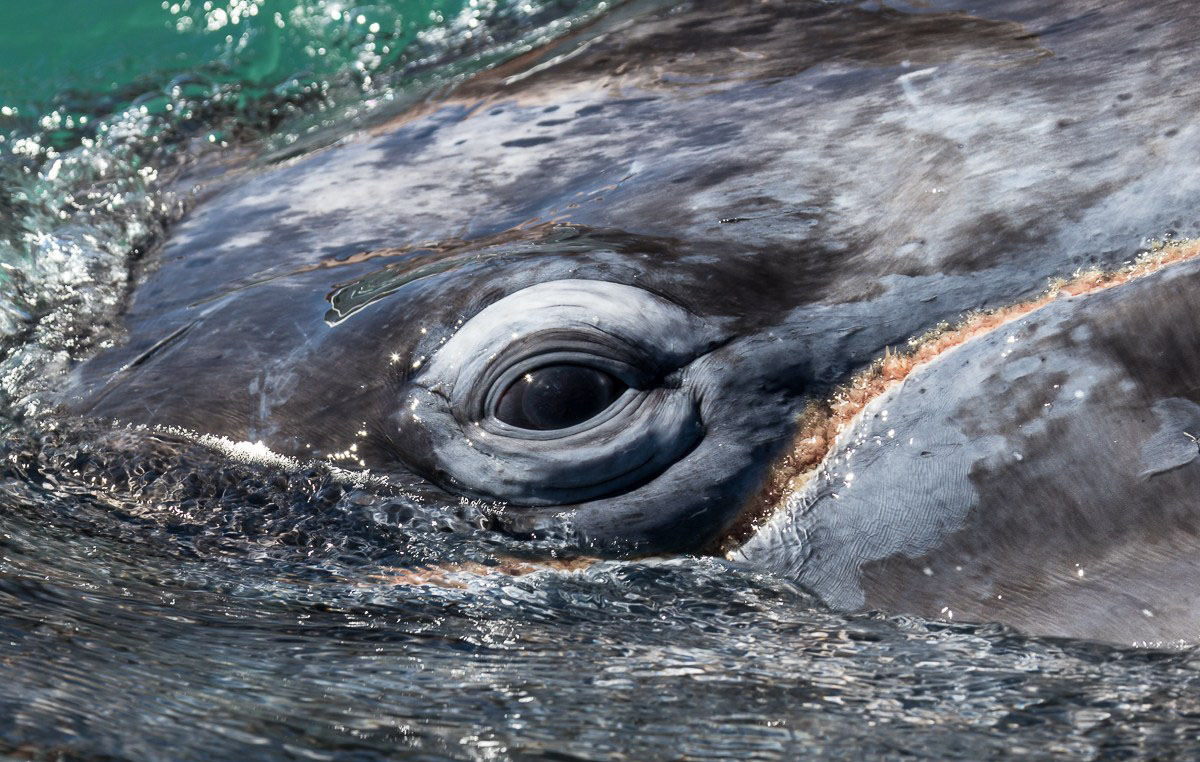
(622, 323)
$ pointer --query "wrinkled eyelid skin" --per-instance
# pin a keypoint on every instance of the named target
(445, 431)
(603, 314)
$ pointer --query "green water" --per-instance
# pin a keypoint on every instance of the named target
(108, 47)
(66, 67)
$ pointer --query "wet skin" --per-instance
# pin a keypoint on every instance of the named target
(719, 214)
(1043, 475)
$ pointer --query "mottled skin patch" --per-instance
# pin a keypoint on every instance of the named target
(823, 421)
(1042, 474)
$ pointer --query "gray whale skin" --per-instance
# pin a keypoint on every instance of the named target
(597, 285)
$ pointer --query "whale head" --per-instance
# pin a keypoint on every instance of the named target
(601, 287)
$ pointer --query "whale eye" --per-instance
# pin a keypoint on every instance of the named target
(557, 394)
(557, 397)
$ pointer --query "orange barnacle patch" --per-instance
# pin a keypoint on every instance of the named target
(459, 575)
(822, 421)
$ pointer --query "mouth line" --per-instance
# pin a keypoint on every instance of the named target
(822, 422)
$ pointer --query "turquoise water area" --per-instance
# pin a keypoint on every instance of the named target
(62, 73)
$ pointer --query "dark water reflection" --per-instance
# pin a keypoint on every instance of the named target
(153, 617)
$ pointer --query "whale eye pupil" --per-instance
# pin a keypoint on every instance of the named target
(557, 397)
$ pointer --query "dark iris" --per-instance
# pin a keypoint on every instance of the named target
(557, 397)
